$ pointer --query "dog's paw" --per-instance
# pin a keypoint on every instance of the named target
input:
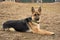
(52, 33)
(11, 29)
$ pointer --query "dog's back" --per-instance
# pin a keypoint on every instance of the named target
(18, 25)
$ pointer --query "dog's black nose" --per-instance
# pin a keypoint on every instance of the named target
(37, 19)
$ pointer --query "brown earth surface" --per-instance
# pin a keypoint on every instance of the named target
(50, 19)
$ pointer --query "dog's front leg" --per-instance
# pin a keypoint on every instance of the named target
(43, 32)
(37, 30)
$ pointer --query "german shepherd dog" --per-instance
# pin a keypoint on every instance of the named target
(30, 24)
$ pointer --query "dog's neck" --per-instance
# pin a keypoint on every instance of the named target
(30, 20)
(35, 22)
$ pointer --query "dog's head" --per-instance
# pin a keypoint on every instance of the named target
(36, 14)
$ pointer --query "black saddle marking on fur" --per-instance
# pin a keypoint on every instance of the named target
(18, 25)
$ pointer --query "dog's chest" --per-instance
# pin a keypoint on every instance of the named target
(35, 25)
(38, 25)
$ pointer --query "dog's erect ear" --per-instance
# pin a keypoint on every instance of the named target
(39, 9)
(32, 9)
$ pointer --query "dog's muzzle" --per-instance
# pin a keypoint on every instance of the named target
(37, 19)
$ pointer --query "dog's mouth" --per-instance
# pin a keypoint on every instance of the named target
(36, 19)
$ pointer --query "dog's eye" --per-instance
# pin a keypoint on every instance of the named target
(35, 14)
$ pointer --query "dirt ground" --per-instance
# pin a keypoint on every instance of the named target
(50, 20)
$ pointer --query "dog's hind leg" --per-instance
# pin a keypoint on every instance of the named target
(11, 29)
(8, 29)
(5, 29)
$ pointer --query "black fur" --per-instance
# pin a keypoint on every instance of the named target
(18, 25)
